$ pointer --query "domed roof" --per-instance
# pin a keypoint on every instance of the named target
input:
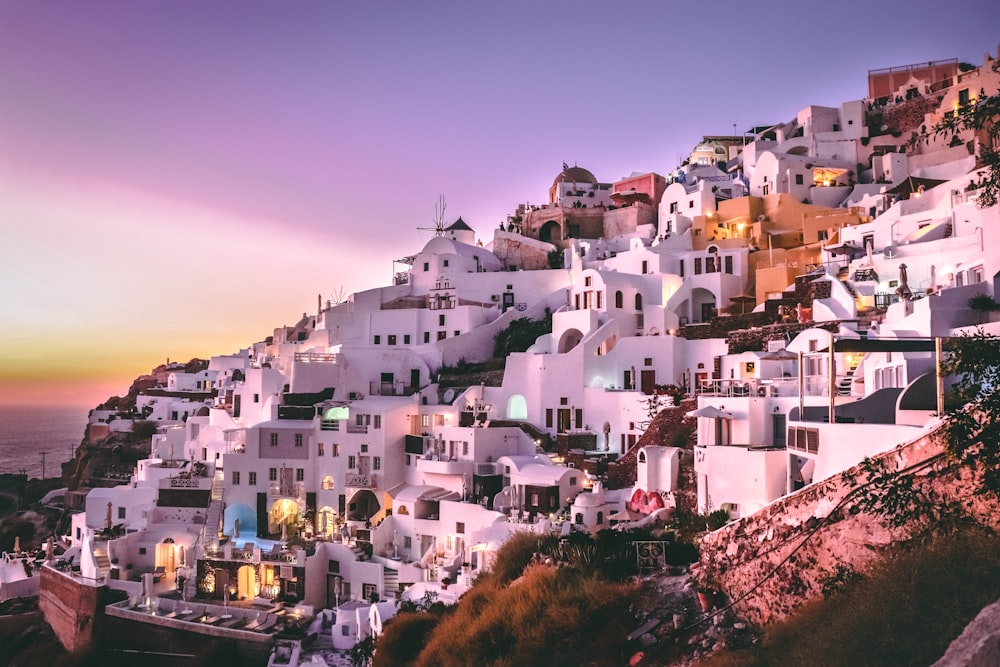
(575, 174)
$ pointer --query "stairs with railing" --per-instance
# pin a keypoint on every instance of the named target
(101, 558)
(844, 386)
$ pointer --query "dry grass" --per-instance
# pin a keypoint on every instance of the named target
(905, 612)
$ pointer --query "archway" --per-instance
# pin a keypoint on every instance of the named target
(517, 407)
(326, 521)
(550, 231)
(703, 305)
(283, 518)
(570, 339)
(246, 583)
(363, 506)
(247, 518)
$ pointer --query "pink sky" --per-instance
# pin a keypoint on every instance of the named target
(179, 178)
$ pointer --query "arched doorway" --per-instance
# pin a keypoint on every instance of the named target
(283, 518)
(246, 583)
(326, 521)
(570, 339)
(550, 231)
(363, 506)
(517, 407)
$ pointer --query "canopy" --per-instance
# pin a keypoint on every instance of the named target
(710, 412)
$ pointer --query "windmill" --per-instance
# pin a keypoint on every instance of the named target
(438, 227)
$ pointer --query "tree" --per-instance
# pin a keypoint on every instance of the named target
(984, 303)
(972, 430)
(980, 117)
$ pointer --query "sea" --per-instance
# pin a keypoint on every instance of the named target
(28, 431)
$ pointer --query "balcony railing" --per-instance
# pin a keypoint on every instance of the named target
(360, 481)
(287, 489)
(356, 428)
(316, 357)
(329, 425)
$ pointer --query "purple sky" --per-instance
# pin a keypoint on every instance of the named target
(177, 178)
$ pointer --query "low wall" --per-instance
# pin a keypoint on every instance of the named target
(72, 606)
(772, 562)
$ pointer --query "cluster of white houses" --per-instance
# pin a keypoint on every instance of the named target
(792, 279)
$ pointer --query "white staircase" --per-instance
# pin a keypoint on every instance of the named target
(101, 558)
(390, 583)
(213, 522)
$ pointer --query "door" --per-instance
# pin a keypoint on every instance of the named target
(700, 380)
(563, 425)
(778, 427)
(648, 379)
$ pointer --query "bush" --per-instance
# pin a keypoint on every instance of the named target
(403, 638)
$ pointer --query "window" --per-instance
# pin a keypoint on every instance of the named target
(406, 339)
(697, 266)
(368, 591)
(822, 235)
(446, 263)
(427, 336)
(236, 477)
(548, 417)
(427, 266)
(534, 499)
(336, 450)
(333, 567)
(142, 550)
(645, 266)
(638, 301)
(407, 542)
(121, 512)
(298, 439)
(457, 333)
(647, 361)
(378, 421)
(442, 335)
(364, 449)
(300, 474)
(729, 264)
(440, 320)
(682, 269)
(274, 439)
(963, 96)
(272, 474)
(252, 479)
(572, 481)
(409, 460)
(563, 400)
(425, 420)
(391, 339)
(256, 398)
(691, 204)
(377, 463)
(588, 281)
(378, 339)
(798, 179)
(460, 527)
(320, 449)
(465, 448)
(351, 461)
(619, 299)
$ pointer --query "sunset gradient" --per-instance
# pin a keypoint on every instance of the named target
(179, 178)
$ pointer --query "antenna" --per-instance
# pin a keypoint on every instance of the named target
(438, 228)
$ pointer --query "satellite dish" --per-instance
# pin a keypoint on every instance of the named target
(449, 395)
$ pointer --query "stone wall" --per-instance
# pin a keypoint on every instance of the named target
(74, 608)
(773, 561)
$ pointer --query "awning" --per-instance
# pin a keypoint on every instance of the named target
(710, 412)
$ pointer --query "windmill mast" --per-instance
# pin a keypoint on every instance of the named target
(439, 219)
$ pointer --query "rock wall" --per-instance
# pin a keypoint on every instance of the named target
(72, 607)
(772, 562)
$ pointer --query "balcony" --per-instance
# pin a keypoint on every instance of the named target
(356, 428)
(286, 490)
(316, 357)
(360, 481)
(329, 425)
(397, 388)
(444, 467)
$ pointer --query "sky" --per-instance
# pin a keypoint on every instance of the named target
(178, 178)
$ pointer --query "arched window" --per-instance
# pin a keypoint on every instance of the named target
(327, 484)
(638, 301)
(619, 299)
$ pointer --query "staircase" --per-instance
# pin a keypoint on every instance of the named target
(101, 558)
(213, 522)
(390, 582)
(844, 386)
(218, 484)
